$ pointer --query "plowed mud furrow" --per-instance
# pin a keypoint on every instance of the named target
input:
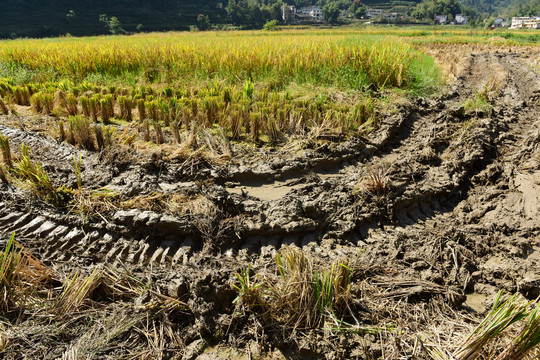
(488, 202)
(439, 164)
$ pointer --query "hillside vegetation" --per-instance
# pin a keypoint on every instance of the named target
(31, 18)
(505, 8)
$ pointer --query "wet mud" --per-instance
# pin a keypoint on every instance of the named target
(460, 208)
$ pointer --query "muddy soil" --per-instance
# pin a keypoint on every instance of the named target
(459, 214)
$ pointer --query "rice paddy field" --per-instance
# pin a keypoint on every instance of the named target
(339, 193)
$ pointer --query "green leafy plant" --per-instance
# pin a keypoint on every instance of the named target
(249, 291)
(270, 25)
(479, 103)
(77, 168)
(249, 88)
(10, 264)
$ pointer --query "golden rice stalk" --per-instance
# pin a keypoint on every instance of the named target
(164, 112)
(141, 109)
(82, 132)
(62, 131)
(60, 99)
(76, 290)
(3, 177)
(255, 127)
(146, 130)
(48, 103)
(104, 108)
(176, 132)
(126, 104)
(159, 133)
(71, 105)
(236, 125)
(185, 117)
(85, 105)
(3, 107)
(6, 151)
(93, 108)
(272, 131)
(37, 102)
(100, 139)
(108, 135)
(20, 276)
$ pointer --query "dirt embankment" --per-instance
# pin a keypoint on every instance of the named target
(458, 211)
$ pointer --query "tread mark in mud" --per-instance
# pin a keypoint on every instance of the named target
(425, 202)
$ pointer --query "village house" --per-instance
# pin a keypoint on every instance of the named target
(390, 16)
(441, 19)
(461, 19)
(305, 14)
(314, 12)
(532, 22)
(288, 14)
(498, 22)
(371, 13)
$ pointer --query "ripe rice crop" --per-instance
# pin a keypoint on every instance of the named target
(342, 59)
(255, 86)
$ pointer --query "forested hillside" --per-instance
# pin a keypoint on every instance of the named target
(38, 18)
(505, 7)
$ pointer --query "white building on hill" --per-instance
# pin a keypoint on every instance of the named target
(441, 19)
(308, 14)
(371, 13)
(532, 22)
(391, 16)
(314, 11)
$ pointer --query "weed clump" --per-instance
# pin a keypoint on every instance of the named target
(39, 181)
(301, 296)
(375, 182)
(487, 340)
(80, 132)
(21, 277)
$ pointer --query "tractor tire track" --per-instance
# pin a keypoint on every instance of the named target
(433, 157)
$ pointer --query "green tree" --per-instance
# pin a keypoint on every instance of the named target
(331, 13)
(427, 9)
(112, 23)
(270, 25)
(203, 22)
(360, 12)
